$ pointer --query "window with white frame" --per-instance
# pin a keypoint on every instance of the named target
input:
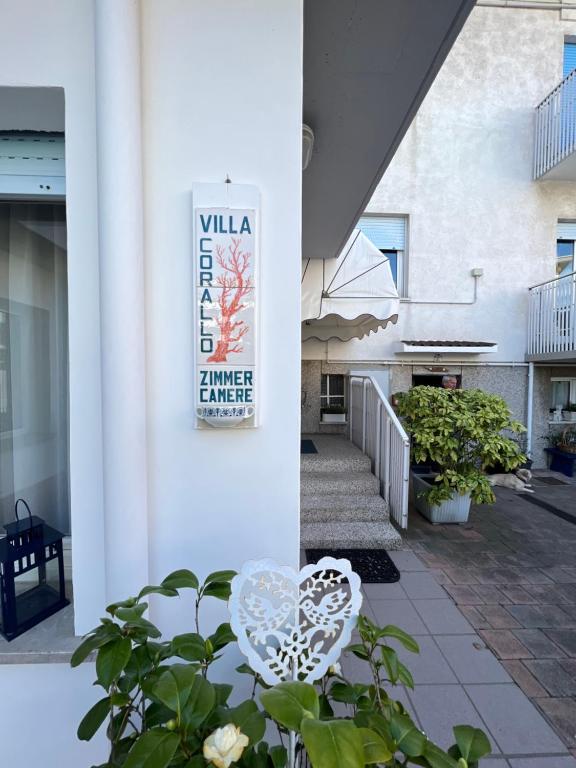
(389, 235)
(332, 390)
(565, 239)
(563, 392)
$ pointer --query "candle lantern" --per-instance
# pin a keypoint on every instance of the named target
(26, 596)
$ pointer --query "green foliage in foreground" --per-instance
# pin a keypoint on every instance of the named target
(461, 430)
(159, 707)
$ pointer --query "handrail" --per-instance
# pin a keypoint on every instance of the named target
(555, 130)
(552, 280)
(552, 318)
(377, 431)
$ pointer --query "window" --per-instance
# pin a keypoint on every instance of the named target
(569, 57)
(565, 239)
(34, 361)
(332, 390)
(388, 234)
(563, 392)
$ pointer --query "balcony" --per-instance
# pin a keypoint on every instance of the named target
(555, 143)
(552, 320)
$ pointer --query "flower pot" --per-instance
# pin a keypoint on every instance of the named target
(456, 510)
(333, 418)
(569, 415)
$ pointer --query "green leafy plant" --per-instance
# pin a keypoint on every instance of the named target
(375, 729)
(159, 706)
(334, 409)
(461, 431)
(161, 710)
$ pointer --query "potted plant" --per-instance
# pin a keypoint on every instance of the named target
(333, 414)
(461, 432)
(562, 451)
(569, 412)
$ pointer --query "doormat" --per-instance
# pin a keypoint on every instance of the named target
(307, 446)
(374, 566)
(548, 481)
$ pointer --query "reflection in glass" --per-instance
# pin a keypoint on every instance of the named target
(34, 361)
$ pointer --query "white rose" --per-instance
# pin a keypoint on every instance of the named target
(225, 746)
(335, 669)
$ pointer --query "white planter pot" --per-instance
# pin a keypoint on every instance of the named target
(333, 418)
(569, 415)
(456, 510)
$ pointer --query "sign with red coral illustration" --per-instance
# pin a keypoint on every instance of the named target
(225, 276)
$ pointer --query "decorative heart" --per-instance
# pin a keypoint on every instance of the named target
(294, 625)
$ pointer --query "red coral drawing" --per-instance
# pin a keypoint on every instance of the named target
(235, 286)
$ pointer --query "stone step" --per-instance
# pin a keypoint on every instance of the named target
(316, 462)
(349, 536)
(336, 484)
(346, 508)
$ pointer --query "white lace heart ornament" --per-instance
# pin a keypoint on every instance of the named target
(294, 625)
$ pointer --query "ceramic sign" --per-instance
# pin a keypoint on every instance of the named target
(225, 267)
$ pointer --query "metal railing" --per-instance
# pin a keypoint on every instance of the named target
(555, 126)
(552, 317)
(376, 430)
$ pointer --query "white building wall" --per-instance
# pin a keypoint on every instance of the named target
(221, 95)
(463, 175)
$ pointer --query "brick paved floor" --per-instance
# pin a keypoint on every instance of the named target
(512, 573)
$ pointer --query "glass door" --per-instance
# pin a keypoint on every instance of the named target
(34, 361)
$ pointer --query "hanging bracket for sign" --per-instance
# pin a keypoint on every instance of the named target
(226, 262)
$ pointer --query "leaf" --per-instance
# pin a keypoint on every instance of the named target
(102, 635)
(437, 758)
(410, 740)
(359, 650)
(472, 742)
(173, 687)
(390, 660)
(332, 743)
(248, 718)
(223, 691)
(161, 590)
(196, 762)
(111, 660)
(279, 756)
(132, 614)
(93, 719)
(154, 749)
(222, 637)
(182, 579)
(405, 676)
(375, 749)
(200, 702)
(218, 589)
(289, 703)
(403, 637)
(189, 647)
(220, 576)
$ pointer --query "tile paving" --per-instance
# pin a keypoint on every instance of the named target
(511, 572)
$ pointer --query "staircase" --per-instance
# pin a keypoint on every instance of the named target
(340, 502)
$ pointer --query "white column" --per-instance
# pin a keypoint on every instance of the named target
(120, 201)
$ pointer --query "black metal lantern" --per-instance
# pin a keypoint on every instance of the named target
(28, 546)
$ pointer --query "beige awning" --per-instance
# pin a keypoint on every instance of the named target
(348, 297)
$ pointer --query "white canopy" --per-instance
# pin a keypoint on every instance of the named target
(348, 297)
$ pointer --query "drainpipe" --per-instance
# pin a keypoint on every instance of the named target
(121, 246)
(530, 410)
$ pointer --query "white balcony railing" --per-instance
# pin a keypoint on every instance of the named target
(552, 319)
(375, 429)
(555, 126)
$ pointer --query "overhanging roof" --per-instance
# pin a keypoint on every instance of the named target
(367, 66)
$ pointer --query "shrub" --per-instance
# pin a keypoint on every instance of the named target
(460, 430)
